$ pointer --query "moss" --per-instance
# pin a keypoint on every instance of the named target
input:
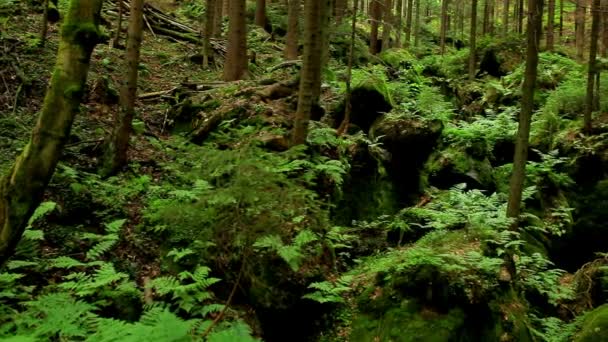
(81, 33)
(73, 92)
(595, 326)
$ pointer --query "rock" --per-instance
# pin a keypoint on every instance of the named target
(595, 326)
(450, 167)
(368, 104)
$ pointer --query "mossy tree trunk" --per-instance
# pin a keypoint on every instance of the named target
(473, 47)
(592, 69)
(293, 30)
(22, 188)
(115, 154)
(236, 55)
(527, 106)
(310, 79)
(209, 22)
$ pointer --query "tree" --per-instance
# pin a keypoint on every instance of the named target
(209, 21)
(293, 18)
(550, 24)
(527, 106)
(236, 53)
(376, 12)
(347, 99)
(408, 22)
(580, 29)
(115, 154)
(592, 69)
(604, 21)
(260, 13)
(505, 17)
(116, 40)
(417, 24)
(45, 22)
(310, 78)
(218, 18)
(444, 25)
(387, 11)
(398, 22)
(473, 35)
(22, 188)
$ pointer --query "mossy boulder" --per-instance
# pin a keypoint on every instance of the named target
(368, 103)
(595, 326)
(452, 166)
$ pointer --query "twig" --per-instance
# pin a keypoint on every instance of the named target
(149, 26)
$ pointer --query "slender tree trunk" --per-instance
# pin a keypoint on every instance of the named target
(604, 50)
(473, 38)
(580, 29)
(236, 53)
(486, 17)
(444, 25)
(22, 188)
(561, 19)
(218, 18)
(592, 69)
(310, 79)
(117, 34)
(209, 21)
(226, 7)
(417, 25)
(348, 109)
(596, 96)
(520, 17)
(340, 6)
(293, 17)
(386, 24)
(399, 23)
(115, 156)
(505, 17)
(550, 22)
(260, 13)
(408, 22)
(375, 9)
(527, 107)
(491, 18)
(45, 23)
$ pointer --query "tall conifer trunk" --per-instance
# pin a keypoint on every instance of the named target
(235, 67)
(592, 69)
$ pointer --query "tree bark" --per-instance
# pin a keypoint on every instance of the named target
(349, 71)
(236, 53)
(408, 22)
(376, 8)
(561, 19)
(218, 18)
(22, 188)
(45, 22)
(398, 23)
(520, 17)
(291, 48)
(505, 17)
(386, 24)
(444, 25)
(209, 21)
(527, 107)
(310, 79)
(260, 13)
(592, 69)
(550, 24)
(473, 38)
(115, 154)
(604, 50)
(417, 25)
(580, 29)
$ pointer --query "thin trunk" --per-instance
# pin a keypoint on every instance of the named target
(235, 67)
(22, 188)
(505, 17)
(444, 25)
(386, 25)
(376, 8)
(260, 13)
(340, 7)
(408, 22)
(486, 17)
(592, 69)
(347, 100)
(116, 41)
(527, 107)
(596, 96)
(417, 25)
(550, 21)
(399, 23)
(604, 50)
(115, 156)
(45, 22)
(310, 79)
(580, 29)
(520, 17)
(209, 21)
(473, 38)
(561, 18)
(218, 18)
(293, 15)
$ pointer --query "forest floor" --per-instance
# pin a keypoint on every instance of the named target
(395, 231)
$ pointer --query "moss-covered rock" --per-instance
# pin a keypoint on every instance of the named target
(595, 326)
(453, 166)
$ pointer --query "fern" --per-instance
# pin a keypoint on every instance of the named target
(330, 292)
(106, 241)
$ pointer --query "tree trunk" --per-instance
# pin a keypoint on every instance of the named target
(592, 69)
(604, 50)
(527, 106)
(473, 38)
(386, 24)
(520, 17)
(115, 154)
(260, 13)
(349, 71)
(580, 29)
(505, 17)
(340, 6)
(293, 17)
(486, 17)
(116, 41)
(236, 53)
(550, 22)
(310, 78)
(399, 23)
(21, 190)
(444, 25)
(209, 21)
(417, 25)
(561, 19)
(45, 23)
(408, 22)
(376, 8)
(218, 18)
